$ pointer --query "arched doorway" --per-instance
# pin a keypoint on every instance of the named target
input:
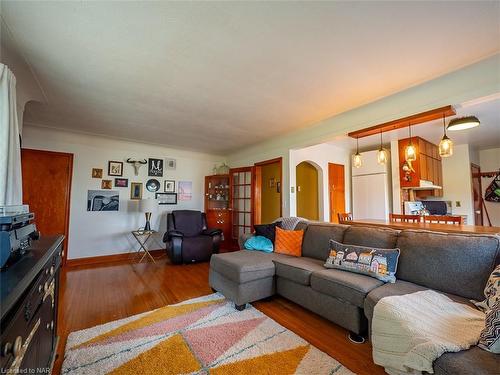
(307, 191)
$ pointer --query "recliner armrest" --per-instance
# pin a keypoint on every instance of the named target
(172, 233)
(211, 232)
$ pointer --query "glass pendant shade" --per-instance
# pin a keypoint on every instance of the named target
(382, 156)
(357, 161)
(410, 153)
(445, 147)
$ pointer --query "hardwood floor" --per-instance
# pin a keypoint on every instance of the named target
(96, 294)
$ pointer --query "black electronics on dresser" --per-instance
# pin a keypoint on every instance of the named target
(29, 300)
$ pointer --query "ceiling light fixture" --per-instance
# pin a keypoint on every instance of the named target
(382, 153)
(446, 145)
(358, 160)
(410, 151)
(462, 123)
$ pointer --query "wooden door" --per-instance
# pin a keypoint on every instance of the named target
(336, 186)
(242, 187)
(47, 190)
(477, 194)
(267, 191)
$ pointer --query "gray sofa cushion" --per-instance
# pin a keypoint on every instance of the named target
(317, 237)
(244, 265)
(298, 269)
(382, 238)
(347, 286)
(452, 263)
(474, 361)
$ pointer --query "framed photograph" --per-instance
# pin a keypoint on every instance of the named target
(121, 182)
(185, 190)
(155, 167)
(106, 184)
(170, 164)
(136, 190)
(103, 200)
(96, 172)
(169, 186)
(166, 198)
(115, 168)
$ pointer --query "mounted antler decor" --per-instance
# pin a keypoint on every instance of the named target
(137, 164)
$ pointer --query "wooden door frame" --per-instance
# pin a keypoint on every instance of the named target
(330, 202)
(473, 165)
(68, 199)
(258, 187)
(252, 196)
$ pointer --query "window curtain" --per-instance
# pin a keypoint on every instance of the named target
(10, 148)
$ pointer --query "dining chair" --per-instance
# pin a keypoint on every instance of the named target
(444, 219)
(344, 216)
(395, 218)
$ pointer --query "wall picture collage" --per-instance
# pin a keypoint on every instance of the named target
(108, 200)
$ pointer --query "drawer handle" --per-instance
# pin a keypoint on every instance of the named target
(40, 288)
(52, 270)
(18, 343)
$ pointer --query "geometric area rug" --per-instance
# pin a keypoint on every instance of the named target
(205, 335)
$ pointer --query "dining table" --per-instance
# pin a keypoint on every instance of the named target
(437, 227)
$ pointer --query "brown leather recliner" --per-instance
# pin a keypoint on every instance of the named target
(188, 239)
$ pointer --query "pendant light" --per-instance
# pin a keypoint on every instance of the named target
(357, 161)
(462, 123)
(410, 151)
(382, 153)
(446, 145)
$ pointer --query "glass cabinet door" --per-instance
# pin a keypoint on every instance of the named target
(241, 200)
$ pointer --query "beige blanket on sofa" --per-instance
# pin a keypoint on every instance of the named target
(410, 331)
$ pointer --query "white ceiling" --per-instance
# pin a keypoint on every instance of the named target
(217, 76)
(485, 136)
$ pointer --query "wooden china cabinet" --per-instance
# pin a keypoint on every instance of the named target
(217, 204)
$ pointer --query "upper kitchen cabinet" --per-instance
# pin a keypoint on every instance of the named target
(423, 174)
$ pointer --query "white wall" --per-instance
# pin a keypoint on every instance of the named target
(105, 233)
(489, 160)
(320, 155)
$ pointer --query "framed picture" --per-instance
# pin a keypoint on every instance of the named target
(185, 190)
(155, 167)
(96, 172)
(170, 164)
(136, 190)
(106, 184)
(169, 186)
(115, 168)
(103, 200)
(166, 198)
(121, 182)
(153, 185)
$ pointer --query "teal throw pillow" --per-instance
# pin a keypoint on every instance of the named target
(259, 243)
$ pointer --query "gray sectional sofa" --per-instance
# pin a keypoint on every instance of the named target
(456, 264)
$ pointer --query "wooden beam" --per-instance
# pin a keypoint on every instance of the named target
(419, 118)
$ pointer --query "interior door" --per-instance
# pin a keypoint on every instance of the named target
(336, 183)
(47, 190)
(242, 187)
(477, 193)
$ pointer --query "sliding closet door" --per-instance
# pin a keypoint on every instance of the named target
(242, 200)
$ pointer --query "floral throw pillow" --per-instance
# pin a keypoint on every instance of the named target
(490, 335)
(491, 291)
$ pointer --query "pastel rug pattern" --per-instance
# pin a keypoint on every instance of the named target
(204, 335)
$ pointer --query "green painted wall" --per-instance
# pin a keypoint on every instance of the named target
(270, 206)
(471, 82)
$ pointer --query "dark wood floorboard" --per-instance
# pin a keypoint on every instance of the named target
(96, 294)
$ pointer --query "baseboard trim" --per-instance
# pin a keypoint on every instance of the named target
(103, 259)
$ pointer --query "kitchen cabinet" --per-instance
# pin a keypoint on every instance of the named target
(426, 167)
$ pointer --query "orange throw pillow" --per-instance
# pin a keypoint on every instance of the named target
(288, 242)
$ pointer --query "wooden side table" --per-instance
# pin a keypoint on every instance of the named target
(143, 234)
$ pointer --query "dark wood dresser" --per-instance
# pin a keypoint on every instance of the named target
(29, 296)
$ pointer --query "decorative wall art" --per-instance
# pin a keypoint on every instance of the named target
(96, 172)
(153, 185)
(115, 168)
(136, 164)
(121, 182)
(155, 167)
(170, 164)
(103, 200)
(166, 198)
(185, 190)
(136, 190)
(106, 184)
(169, 186)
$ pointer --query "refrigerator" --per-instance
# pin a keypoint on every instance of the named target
(371, 188)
